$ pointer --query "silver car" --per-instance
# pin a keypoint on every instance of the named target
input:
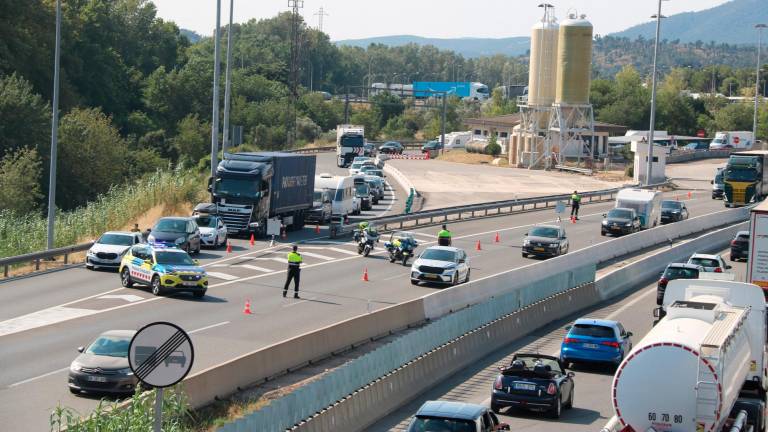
(441, 264)
(109, 249)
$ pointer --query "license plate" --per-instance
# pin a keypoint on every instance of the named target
(430, 276)
(525, 386)
(589, 345)
(538, 249)
(97, 378)
(615, 228)
(189, 283)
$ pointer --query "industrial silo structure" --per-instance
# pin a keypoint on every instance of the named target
(542, 74)
(574, 61)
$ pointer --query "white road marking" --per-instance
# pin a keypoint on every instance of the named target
(391, 202)
(224, 276)
(253, 267)
(422, 234)
(127, 297)
(38, 377)
(297, 302)
(209, 327)
(280, 260)
(344, 251)
(621, 310)
(314, 255)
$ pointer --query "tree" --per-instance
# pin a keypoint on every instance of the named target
(25, 118)
(734, 117)
(386, 106)
(192, 140)
(628, 102)
(20, 175)
(493, 148)
(91, 159)
(499, 105)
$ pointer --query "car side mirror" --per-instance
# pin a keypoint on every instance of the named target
(526, 234)
(657, 312)
(605, 215)
(630, 334)
(728, 266)
(711, 182)
(80, 349)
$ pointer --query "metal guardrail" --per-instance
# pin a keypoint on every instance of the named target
(678, 156)
(37, 257)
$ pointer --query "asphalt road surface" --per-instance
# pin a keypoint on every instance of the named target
(592, 403)
(46, 317)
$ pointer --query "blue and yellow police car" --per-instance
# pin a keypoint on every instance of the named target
(165, 269)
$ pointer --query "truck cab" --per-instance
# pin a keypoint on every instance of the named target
(745, 178)
(350, 143)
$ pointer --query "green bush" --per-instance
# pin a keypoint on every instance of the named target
(493, 149)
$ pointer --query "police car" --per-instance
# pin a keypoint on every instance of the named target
(165, 269)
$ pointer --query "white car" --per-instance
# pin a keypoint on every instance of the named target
(441, 264)
(213, 231)
(109, 249)
(356, 205)
(710, 263)
(354, 169)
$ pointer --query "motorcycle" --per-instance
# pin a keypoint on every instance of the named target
(365, 242)
(404, 250)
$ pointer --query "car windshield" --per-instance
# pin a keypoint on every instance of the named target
(361, 189)
(704, 262)
(592, 330)
(544, 232)
(111, 346)
(747, 175)
(439, 255)
(357, 165)
(620, 214)
(366, 168)
(672, 205)
(233, 187)
(176, 258)
(352, 141)
(375, 172)
(719, 178)
(171, 225)
(116, 239)
(742, 237)
(206, 221)
(681, 273)
(530, 362)
(435, 424)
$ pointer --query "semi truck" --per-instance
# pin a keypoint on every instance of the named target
(646, 204)
(350, 143)
(745, 178)
(702, 367)
(465, 90)
(251, 188)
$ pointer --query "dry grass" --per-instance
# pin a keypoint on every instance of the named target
(613, 176)
(461, 156)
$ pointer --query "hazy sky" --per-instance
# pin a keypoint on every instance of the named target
(432, 18)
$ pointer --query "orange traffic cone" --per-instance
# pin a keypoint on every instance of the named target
(427, 157)
(365, 275)
(497, 239)
(573, 219)
(229, 247)
(247, 308)
(252, 240)
(690, 194)
(317, 229)
(477, 246)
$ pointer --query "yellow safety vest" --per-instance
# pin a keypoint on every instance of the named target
(294, 259)
(444, 234)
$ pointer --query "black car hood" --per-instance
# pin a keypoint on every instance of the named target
(167, 236)
(545, 240)
(668, 211)
(618, 220)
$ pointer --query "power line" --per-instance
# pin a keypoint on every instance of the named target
(295, 5)
(320, 14)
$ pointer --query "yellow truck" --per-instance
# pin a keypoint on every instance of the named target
(745, 178)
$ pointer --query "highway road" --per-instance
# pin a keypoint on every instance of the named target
(47, 316)
(592, 405)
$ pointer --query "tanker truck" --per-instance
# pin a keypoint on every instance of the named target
(702, 367)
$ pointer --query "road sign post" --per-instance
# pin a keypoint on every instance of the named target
(559, 210)
(160, 355)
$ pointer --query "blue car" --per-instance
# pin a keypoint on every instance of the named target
(595, 341)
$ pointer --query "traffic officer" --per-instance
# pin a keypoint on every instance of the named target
(294, 271)
(575, 204)
(135, 228)
(444, 237)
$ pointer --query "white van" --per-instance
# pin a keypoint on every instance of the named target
(342, 192)
(456, 140)
(646, 203)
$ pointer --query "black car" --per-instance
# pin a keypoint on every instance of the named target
(620, 221)
(432, 145)
(740, 246)
(675, 271)
(673, 211)
(545, 241)
(718, 185)
(535, 382)
(103, 366)
(363, 193)
(391, 147)
(182, 232)
(369, 150)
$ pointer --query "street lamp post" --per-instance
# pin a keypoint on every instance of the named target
(54, 131)
(649, 165)
(759, 28)
(216, 73)
(228, 78)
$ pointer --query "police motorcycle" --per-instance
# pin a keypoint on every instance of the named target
(401, 246)
(366, 238)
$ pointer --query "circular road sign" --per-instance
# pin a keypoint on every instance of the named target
(735, 140)
(161, 354)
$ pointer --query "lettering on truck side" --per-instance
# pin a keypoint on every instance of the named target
(294, 181)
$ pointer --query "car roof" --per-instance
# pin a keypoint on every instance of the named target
(123, 233)
(547, 226)
(182, 218)
(597, 321)
(685, 265)
(707, 256)
(741, 233)
(450, 409)
(120, 333)
(445, 248)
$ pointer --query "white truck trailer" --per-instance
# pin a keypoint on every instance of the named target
(646, 203)
(702, 367)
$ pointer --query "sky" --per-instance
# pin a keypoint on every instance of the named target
(348, 19)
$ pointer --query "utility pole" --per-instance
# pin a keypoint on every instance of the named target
(320, 14)
(759, 28)
(216, 99)
(54, 131)
(649, 167)
(228, 78)
(295, 5)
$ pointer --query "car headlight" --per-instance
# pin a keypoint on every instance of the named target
(605, 222)
(629, 224)
(526, 242)
(180, 240)
(553, 245)
(127, 371)
(150, 238)
(91, 252)
(75, 367)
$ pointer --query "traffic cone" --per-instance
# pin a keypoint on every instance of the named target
(478, 247)
(573, 219)
(690, 194)
(497, 239)
(365, 275)
(247, 308)
(317, 229)
(252, 240)
(229, 247)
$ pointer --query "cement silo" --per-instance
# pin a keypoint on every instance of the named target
(574, 61)
(543, 63)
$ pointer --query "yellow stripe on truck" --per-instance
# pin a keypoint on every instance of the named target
(739, 191)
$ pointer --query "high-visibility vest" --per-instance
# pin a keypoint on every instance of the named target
(444, 234)
(576, 198)
(294, 259)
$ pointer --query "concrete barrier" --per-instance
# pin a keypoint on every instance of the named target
(274, 360)
(688, 155)
(406, 184)
(445, 301)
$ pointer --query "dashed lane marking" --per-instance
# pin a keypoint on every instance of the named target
(344, 251)
(224, 276)
(253, 267)
(315, 255)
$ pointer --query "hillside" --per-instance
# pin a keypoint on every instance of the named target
(467, 47)
(191, 35)
(730, 23)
